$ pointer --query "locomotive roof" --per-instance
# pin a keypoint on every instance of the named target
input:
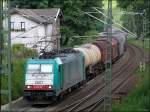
(68, 57)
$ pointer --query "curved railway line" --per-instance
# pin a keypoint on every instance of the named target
(90, 97)
(119, 77)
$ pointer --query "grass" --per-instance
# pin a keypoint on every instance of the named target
(138, 99)
(139, 42)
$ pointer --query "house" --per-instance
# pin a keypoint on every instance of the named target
(36, 28)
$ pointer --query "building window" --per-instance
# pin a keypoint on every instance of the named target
(12, 25)
(23, 26)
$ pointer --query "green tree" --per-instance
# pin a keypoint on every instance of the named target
(135, 6)
(75, 22)
(29, 4)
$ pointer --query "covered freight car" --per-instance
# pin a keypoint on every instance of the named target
(102, 44)
(120, 36)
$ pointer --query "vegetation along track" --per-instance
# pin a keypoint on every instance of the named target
(92, 99)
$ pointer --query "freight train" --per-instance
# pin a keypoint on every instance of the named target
(52, 75)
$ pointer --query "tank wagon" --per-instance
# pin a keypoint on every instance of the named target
(50, 78)
(91, 53)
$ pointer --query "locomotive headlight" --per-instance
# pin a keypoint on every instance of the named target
(28, 87)
(49, 87)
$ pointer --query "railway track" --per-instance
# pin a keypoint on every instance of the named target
(92, 94)
(119, 77)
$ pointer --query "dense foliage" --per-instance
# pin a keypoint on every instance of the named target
(20, 53)
(29, 4)
(75, 22)
(135, 22)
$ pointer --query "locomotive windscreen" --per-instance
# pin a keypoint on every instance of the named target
(39, 74)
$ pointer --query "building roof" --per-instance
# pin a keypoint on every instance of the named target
(39, 15)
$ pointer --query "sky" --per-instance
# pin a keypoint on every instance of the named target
(114, 4)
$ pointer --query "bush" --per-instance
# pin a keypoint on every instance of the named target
(92, 35)
(20, 54)
(20, 51)
(89, 37)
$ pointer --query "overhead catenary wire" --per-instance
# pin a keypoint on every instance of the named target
(108, 24)
(99, 35)
(89, 13)
(128, 13)
(114, 21)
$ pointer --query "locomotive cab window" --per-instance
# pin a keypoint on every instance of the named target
(37, 68)
(40, 74)
(45, 68)
(33, 68)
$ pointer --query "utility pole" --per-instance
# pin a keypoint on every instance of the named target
(143, 39)
(108, 75)
(148, 18)
(5, 52)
